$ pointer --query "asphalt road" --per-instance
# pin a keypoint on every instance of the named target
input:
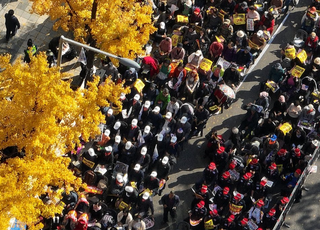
(191, 162)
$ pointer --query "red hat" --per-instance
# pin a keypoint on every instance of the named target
(212, 166)
(244, 221)
(298, 171)
(284, 200)
(226, 175)
(238, 196)
(226, 190)
(260, 203)
(254, 161)
(273, 166)
(313, 9)
(231, 218)
(196, 10)
(282, 152)
(297, 152)
(263, 182)
(247, 176)
(232, 165)
(201, 204)
(272, 212)
(221, 149)
(214, 212)
(204, 189)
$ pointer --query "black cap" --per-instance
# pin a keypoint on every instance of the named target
(29, 43)
(180, 45)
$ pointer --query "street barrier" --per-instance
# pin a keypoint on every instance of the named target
(296, 189)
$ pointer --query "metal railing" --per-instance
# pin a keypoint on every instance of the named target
(296, 189)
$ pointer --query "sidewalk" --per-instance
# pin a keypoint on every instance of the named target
(36, 27)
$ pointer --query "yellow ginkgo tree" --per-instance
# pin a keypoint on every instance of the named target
(121, 27)
(43, 118)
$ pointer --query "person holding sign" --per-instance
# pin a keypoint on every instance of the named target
(309, 19)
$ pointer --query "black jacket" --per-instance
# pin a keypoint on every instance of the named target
(12, 22)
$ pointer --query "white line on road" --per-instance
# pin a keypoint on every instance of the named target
(263, 51)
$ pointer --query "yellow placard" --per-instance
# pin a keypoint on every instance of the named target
(302, 56)
(88, 163)
(290, 52)
(285, 128)
(139, 85)
(209, 225)
(297, 71)
(221, 14)
(239, 19)
(182, 19)
(220, 39)
(205, 64)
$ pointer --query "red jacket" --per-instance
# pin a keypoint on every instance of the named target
(312, 43)
(269, 24)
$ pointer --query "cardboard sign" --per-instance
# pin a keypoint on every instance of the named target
(225, 64)
(239, 19)
(176, 39)
(250, 24)
(205, 64)
(297, 71)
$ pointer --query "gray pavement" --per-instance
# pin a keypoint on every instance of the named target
(36, 27)
(191, 163)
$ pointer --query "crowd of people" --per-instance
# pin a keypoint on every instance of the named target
(199, 47)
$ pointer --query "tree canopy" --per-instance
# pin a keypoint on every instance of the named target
(120, 27)
(43, 118)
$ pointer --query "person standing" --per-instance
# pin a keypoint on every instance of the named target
(12, 24)
(30, 51)
(170, 203)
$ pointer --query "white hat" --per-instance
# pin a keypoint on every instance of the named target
(136, 97)
(165, 160)
(147, 104)
(144, 151)
(310, 107)
(160, 137)
(173, 139)
(117, 125)
(183, 120)
(154, 174)
(156, 109)
(168, 115)
(117, 139)
(91, 152)
(134, 122)
(119, 178)
(315, 142)
(110, 111)
(198, 53)
(137, 167)
(260, 33)
(128, 145)
(240, 33)
(107, 132)
(162, 25)
(147, 129)
(128, 189)
(109, 149)
(122, 96)
(145, 195)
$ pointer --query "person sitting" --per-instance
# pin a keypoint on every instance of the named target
(225, 30)
(279, 108)
(240, 39)
(178, 53)
(231, 76)
(195, 59)
(196, 17)
(312, 42)
(229, 52)
(215, 50)
(244, 57)
(268, 21)
(257, 42)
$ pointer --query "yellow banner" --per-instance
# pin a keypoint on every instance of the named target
(182, 19)
(286, 128)
(139, 85)
(297, 71)
(205, 64)
(253, 45)
(290, 53)
(88, 163)
(239, 19)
